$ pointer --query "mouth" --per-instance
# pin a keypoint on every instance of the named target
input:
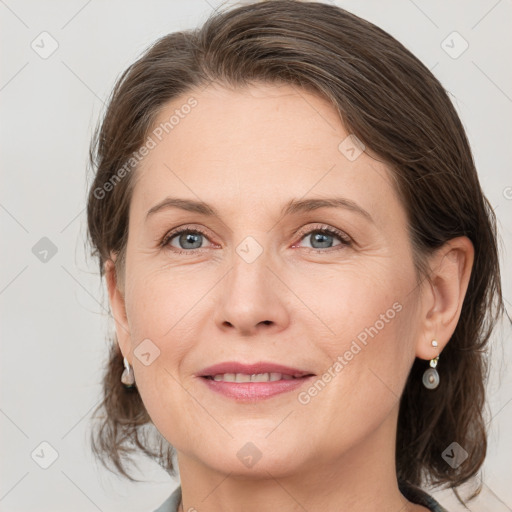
(253, 372)
(249, 383)
(255, 377)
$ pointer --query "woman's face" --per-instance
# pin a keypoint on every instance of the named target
(260, 283)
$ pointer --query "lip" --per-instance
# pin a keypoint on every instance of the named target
(260, 367)
(253, 391)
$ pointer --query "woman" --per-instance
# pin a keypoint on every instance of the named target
(301, 266)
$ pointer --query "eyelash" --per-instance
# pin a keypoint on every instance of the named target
(323, 229)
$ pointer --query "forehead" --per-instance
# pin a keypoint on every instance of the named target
(263, 143)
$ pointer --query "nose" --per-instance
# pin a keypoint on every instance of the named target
(252, 299)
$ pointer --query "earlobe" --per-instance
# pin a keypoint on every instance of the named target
(450, 271)
(117, 307)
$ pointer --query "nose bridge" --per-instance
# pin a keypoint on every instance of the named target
(249, 276)
(249, 267)
(250, 298)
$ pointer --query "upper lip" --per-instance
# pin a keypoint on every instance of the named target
(250, 369)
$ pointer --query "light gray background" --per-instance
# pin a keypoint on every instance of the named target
(54, 313)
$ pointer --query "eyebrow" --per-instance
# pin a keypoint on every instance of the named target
(294, 206)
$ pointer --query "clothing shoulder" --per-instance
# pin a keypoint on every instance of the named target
(171, 503)
(420, 497)
(411, 492)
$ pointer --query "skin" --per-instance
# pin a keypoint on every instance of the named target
(247, 153)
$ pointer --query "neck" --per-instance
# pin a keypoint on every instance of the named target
(360, 480)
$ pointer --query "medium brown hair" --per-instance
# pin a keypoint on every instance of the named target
(392, 103)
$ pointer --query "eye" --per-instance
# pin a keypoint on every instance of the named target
(325, 237)
(185, 240)
(189, 240)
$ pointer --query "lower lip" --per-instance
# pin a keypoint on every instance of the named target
(254, 390)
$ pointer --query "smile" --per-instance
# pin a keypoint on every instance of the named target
(252, 387)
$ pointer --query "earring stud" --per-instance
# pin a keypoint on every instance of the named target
(434, 343)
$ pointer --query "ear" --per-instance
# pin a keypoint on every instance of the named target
(117, 307)
(450, 270)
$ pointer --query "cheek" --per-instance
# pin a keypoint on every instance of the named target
(370, 360)
(160, 301)
(366, 322)
(351, 301)
(158, 309)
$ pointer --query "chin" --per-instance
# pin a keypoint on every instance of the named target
(255, 458)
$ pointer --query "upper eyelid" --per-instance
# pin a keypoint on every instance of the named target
(323, 227)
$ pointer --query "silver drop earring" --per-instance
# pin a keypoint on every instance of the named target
(431, 377)
(127, 378)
